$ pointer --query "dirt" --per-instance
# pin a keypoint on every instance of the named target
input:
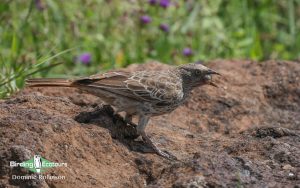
(246, 133)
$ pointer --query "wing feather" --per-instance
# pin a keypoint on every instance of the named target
(141, 85)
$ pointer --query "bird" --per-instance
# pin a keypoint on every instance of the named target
(144, 93)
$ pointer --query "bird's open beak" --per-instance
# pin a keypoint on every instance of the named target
(210, 71)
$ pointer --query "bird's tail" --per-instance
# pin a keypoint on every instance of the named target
(49, 82)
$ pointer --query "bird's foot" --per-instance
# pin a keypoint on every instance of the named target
(131, 130)
(125, 120)
(159, 152)
(130, 123)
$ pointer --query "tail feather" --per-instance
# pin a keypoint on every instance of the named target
(48, 82)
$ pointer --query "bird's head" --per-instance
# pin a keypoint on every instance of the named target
(195, 74)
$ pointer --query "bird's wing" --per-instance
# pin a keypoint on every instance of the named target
(141, 85)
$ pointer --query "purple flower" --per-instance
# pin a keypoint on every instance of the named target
(39, 5)
(164, 3)
(145, 19)
(85, 58)
(199, 62)
(164, 27)
(152, 2)
(187, 52)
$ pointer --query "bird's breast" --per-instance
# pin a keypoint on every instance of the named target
(160, 108)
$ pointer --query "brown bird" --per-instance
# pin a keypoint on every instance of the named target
(140, 93)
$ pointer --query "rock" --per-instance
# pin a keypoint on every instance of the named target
(243, 134)
(287, 167)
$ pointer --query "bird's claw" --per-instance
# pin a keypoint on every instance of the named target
(167, 155)
(159, 152)
(130, 123)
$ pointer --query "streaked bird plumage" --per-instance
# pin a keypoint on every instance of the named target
(141, 93)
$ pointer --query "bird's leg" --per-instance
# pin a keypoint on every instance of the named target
(128, 117)
(128, 120)
(143, 121)
(116, 111)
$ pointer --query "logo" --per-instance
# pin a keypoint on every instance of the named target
(37, 164)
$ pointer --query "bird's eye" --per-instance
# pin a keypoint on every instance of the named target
(198, 72)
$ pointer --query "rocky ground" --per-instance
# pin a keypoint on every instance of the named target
(246, 133)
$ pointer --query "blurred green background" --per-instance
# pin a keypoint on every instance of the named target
(90, 36)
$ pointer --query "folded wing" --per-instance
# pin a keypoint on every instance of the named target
(142, 85)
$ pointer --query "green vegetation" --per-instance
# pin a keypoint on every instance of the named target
(111, 33)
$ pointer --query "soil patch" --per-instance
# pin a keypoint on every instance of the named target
(246, 133)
